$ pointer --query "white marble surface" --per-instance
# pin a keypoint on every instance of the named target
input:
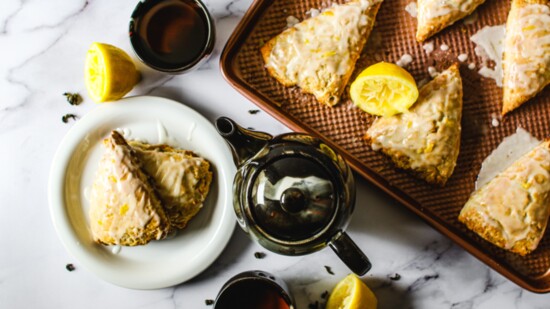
(43, 44)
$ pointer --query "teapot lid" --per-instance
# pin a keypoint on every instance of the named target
(293, 197)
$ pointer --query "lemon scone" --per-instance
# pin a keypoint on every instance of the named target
(511, 211)
(526, 61)
(181, 177)
(425, 139)
(124, 208)
(319, 54)
(435, 15)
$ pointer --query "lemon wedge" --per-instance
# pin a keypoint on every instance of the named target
(384, 89)
(109, 73)
(351, 293)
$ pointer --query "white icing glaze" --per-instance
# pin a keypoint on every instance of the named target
(164, 137)
(432, 71)
(462, 57)
(490, 46)
(173, 173)
(528, 42)
(428, 47)
(291, 21)
(412, 9)
(444, 47)
(507, 152)
(436, 8)
(120, 201)
(405, 60)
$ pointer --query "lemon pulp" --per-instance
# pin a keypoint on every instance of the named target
(384, 89)
(109, 72)
(351, 293)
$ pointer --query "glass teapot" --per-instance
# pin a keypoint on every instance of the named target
(293, 194)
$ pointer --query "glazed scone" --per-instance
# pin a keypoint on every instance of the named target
(425, 139)
(319, 54)
(124, 208)
(511, 211)
(182, 179)
(435, 15)
(526, 61)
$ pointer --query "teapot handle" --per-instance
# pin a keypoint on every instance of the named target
(349, 253)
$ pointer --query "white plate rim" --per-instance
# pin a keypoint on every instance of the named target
(59, 216)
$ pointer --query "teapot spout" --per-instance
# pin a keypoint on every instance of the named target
(244, 143)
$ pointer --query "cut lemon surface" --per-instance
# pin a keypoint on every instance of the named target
(109, 73)
(351, 293)
(384, 89)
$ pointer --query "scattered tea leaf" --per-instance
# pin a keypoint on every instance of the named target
(73, 98)
(259, 255)
(324, 295)
(208, 302)
(66, 117)
(70, 267)
(253, 111)
(395, 277)
(329, 270)
(314, 305)
(250, 128)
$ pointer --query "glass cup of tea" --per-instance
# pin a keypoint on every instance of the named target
(254, 289)
(172, 36)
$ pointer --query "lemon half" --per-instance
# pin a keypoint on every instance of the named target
(109, 73)
(351, 293)
(384, 89)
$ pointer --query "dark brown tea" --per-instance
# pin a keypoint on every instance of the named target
(171, 35)
(252, 294)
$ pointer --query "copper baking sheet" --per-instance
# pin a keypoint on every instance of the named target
(344, 127)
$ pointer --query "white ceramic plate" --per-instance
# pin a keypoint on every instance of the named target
(160, 263)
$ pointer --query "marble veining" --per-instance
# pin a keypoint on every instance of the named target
(43, 45)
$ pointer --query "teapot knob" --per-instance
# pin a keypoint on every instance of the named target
(293, 200)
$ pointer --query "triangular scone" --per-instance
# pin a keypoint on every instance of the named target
(511, 211)
(425, 139)
(124, 208)
(182, 179)
(435, 15)
(319, 54)
(526, 62)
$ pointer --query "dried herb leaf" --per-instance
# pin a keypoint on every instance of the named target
(208, 302)
(70, 267)
(259, 255)
(66, 117)
(324, 295)
(73, 98)
(253, 111)
(314, 305)
(395, 277)
(329, 270)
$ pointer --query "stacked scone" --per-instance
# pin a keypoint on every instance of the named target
(144, 192)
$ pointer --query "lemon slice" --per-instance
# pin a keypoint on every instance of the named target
(351, 293)
(384, 89)
(109, 73)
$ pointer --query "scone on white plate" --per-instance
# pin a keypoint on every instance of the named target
(182, 179)
(124, 207)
